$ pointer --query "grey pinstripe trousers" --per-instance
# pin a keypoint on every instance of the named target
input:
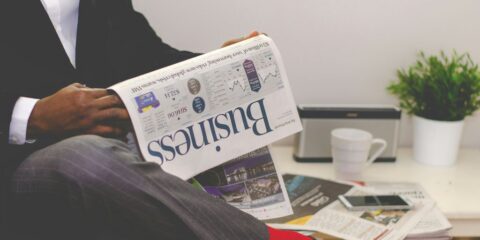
(89, 187)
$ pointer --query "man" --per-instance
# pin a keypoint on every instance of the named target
(67, 173)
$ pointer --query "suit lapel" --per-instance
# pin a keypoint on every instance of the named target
(91, 43)
(36, 38)
(29, 30)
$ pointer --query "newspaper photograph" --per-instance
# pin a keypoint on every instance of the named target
(250, 183)
(309, 195)
(200, 113)
(334, 219)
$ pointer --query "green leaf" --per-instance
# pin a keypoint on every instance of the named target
(439, 87)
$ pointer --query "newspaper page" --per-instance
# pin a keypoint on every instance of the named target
(380, 224)
(250, 183)
(200, 113)
(309, 195)
(335, 220)
(434, 223)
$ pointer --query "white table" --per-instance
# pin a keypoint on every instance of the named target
(456, 188)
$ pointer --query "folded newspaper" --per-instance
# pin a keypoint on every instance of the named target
(200, 113)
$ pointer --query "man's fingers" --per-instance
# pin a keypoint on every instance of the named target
(233, 41)
(106, 131)
(77, 85)
(126, 125)
(253, 34)
(93, 92)
(111, 113)
(108, 101)
(96, 92)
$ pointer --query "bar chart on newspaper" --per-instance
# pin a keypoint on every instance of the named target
(200, 113)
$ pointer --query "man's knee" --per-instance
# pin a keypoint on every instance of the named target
(82, 145)
(85, 153)
(56, 182)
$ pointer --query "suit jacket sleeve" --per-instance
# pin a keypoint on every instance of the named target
(165, 54)
(10, 70)
(134, 47)
(7, 102)
(162, 54)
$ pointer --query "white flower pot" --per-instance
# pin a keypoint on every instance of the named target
(436, 142)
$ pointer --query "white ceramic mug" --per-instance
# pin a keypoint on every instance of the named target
(351, 150)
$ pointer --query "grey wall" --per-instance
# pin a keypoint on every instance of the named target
(335, 51)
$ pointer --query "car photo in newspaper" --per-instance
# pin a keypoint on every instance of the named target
(200, 113)
(250, 183)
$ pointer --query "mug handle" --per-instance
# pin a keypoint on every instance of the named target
(383, 146)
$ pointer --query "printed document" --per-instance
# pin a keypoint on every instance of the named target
(200, 113)
(249, 183)
(316, 208)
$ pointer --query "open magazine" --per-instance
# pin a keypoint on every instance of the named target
(250, 183)
(316, 208)
(434, 225)
(200, 113)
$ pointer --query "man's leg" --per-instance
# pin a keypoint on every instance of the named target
(89, 187)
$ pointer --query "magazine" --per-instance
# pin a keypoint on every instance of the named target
(309, 195)
(250, 183)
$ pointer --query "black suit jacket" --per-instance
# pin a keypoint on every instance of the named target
(114, 43)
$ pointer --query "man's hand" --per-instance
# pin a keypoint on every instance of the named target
(233, 41)
(75, 110)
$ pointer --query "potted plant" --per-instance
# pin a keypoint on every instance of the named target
(440, 91)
